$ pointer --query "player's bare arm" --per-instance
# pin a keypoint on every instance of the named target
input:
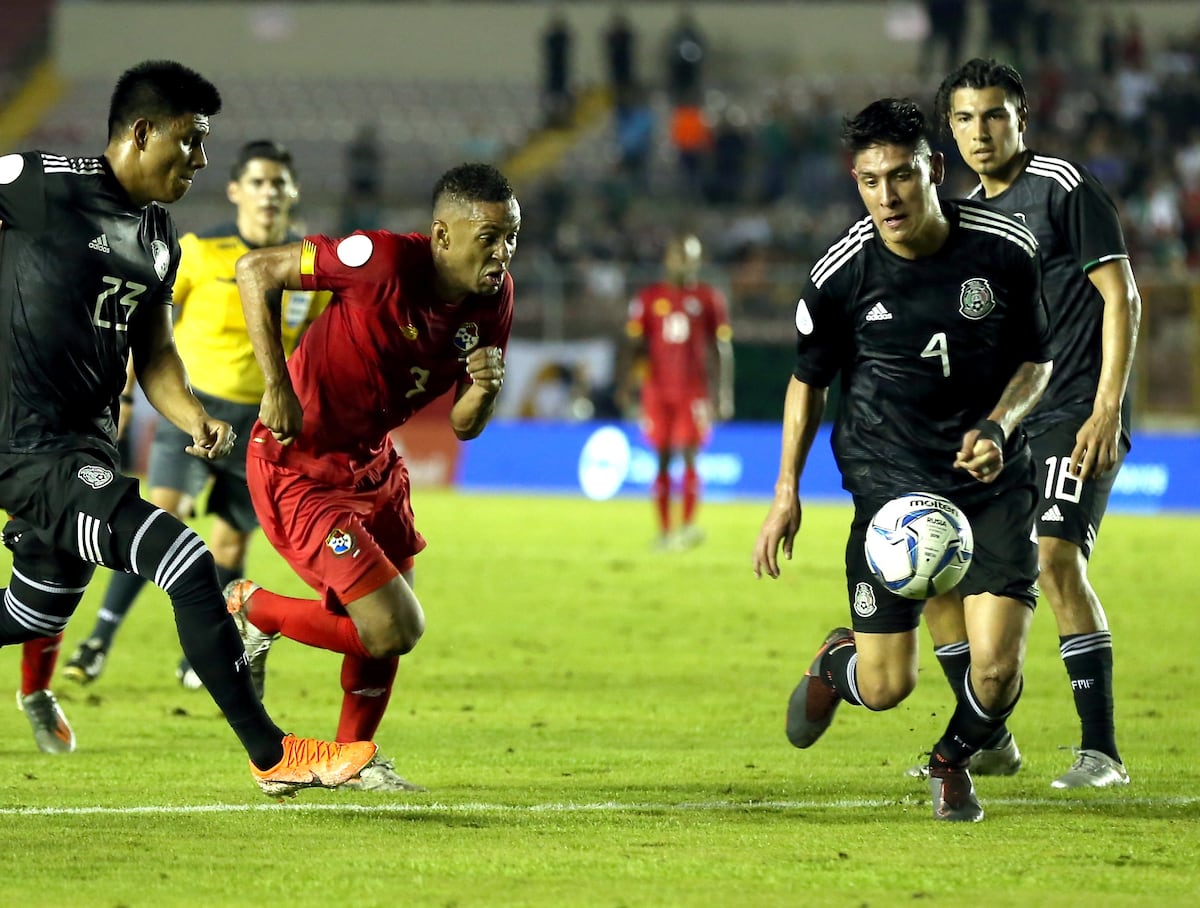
(476, 400)
(802, 410)
(163, 378)
(1097, 444)
(262, 276)
(982, 451)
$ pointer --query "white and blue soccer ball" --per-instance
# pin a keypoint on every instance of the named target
(919, 545)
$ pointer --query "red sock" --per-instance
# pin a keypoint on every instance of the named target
(38, 659)
(691, 493)
(367, 688)
(661, 490)
(305, 621)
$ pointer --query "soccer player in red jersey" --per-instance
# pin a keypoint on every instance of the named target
(678, 327)
(411, 317)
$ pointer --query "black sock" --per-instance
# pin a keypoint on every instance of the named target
(839, 670)
(955, 660)
(1089, 662)
(174, 557)
(970, 727)
(118, 600)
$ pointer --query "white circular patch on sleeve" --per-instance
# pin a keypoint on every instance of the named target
(804, 322)
(11, 166)
(355, 250)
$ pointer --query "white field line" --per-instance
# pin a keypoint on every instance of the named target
(599, 807)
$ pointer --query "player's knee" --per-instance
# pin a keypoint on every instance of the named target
(886, 689)
(396, 635)
(993, 675)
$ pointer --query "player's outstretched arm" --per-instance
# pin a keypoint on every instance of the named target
(262, 276)
(476, 399)
(802, 412)
(161, 373)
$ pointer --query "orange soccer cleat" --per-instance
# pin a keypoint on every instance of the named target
(309, 763)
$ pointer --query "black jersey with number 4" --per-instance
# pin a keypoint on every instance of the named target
(1077, 228)
(925, 348)
(79, 264)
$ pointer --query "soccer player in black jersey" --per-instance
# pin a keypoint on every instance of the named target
(88, 257)
(1079, 431)
(931, 312)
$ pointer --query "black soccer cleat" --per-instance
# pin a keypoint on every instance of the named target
(813, 702)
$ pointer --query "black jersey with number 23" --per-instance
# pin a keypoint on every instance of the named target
(79, 264)
(925, 348)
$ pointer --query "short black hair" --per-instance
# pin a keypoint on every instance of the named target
(979, 73)
(888, 121)
(158, 90)
(473, 183)
(261, 150)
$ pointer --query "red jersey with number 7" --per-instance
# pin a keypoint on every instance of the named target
(386, 346)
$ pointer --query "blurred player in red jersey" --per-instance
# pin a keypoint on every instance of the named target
(676, 328)
(411, 317)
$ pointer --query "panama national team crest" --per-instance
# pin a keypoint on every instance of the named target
(864, 600)
(976, 300)
(340, 542)
(162, 258)
(96, 477)
(466, 338)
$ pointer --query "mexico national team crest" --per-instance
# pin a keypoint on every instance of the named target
(864, 600)
(95, 476)
(466, 338)
(339, 542)
(162, 258)
(976, 300)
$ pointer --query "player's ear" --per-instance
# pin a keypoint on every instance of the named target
(140, 132)
(440, 234)
(937, 168)
(231, 191)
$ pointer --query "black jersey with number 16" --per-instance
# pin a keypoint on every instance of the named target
(79, 264)
(925, 348)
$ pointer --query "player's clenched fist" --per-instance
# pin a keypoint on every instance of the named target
(486, 368)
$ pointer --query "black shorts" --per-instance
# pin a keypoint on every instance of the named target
(171, 467)
(60, 504)
(1005, 562)
(1070, 509)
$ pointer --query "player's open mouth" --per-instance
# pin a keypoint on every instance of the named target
(493, 278)
(895, 220)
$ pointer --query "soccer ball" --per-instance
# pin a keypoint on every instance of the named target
(919, 545)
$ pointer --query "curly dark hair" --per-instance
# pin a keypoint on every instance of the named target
(888, 121)
(473, 183)
(160, 89)
(979, 73)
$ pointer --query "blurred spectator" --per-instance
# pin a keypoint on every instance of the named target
(691, 137)
(635, 124)
(1133, 44)
(685, 60)
(777, 151)
(1109, 48)
(556, 75)
(730, 157)
(362, 207)
(620, 46)
(947, 27)
(1007, 22)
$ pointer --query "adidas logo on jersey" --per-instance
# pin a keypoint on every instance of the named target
(879, 313)
(1053, 515)
(100, 244)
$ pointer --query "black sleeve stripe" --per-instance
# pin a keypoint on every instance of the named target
(841, 252)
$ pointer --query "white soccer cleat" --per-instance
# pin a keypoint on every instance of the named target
(1092, 769)
(380, 775)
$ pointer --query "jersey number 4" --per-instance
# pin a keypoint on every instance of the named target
(107, 314)
(937, 348)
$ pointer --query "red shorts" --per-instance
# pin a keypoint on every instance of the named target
(679, 423)
(345, 543)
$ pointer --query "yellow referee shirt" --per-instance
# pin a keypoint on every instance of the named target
(210, 327)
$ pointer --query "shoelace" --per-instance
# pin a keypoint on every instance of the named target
(44, 709)
(300, 751)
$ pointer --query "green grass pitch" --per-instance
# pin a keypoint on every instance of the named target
(603, 726)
